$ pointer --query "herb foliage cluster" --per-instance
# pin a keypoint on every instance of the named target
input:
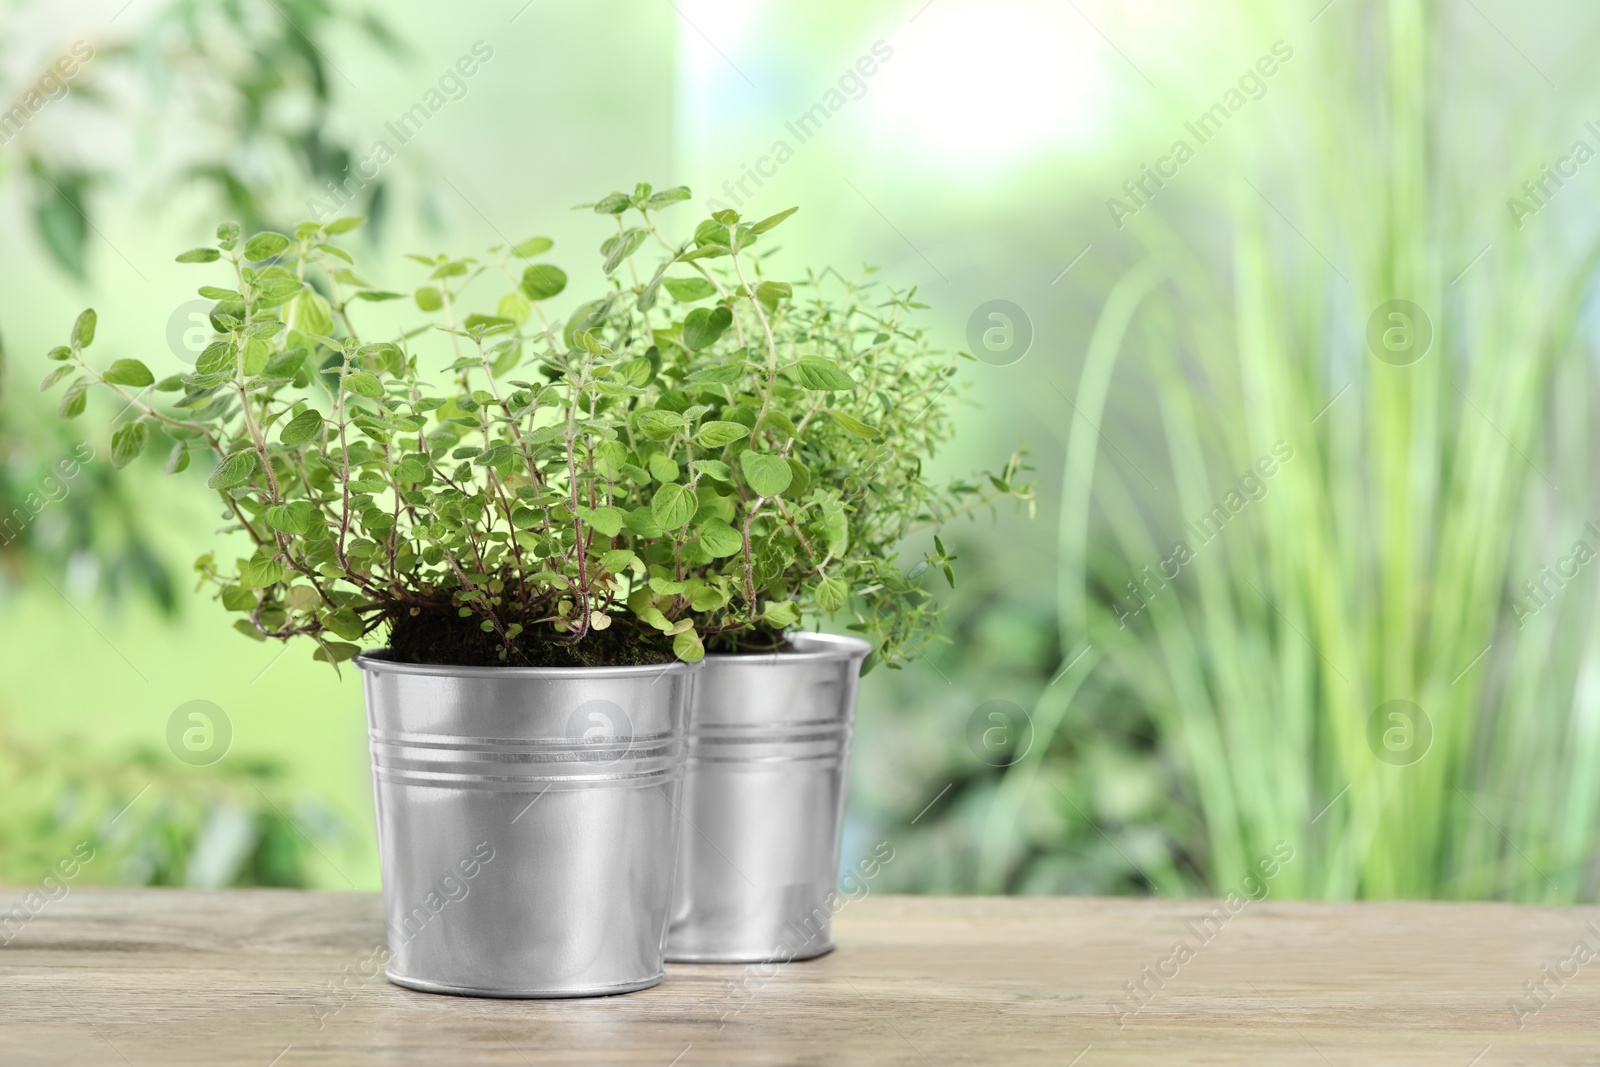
(701, 455)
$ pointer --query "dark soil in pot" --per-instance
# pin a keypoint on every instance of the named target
(753, 641)
(440, 636)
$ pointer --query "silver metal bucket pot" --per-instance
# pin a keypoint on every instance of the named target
(527, 823)
(769, 741)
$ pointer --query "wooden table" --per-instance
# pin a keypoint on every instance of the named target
(248, 977)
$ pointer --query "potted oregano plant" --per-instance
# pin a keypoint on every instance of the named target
(394, 462)
(784, 434)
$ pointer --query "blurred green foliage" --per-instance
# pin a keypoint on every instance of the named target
(1071, 792)
(90, 518)
(151, 821)
(262, 84)
(244, 85)
(1176, 731)
(1329, 644)
(265, 89)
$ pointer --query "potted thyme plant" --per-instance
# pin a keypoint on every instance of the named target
(783, 438)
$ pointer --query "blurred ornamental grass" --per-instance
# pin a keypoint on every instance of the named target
(1087, 802)
(1387, 560)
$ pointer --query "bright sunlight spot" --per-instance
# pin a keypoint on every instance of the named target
(986, 86)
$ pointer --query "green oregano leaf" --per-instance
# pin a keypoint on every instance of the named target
(720, 539)
(831, 594)
(533, 246)
(127, 441)
(74, 400)
(781, 613)
(714, 468)
(309, 313)
(129, 372)
(265, 245)
(302, 428)
(688, 647)
(853, 426)
(688, 290)
(820, 374)
(658, 425)
(233, 470)
(83, 329)
(218, 357)
(364, 383)
(768, 475)
(703, 326)
(605, 520)
(177, 459)
(772, 220)
(55, 376)
(720, 434)
(673, 506)
(541, 281)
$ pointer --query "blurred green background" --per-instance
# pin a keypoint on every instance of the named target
(1298, 329)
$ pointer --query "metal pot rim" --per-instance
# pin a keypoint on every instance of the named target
(809, 648)
(379, 661)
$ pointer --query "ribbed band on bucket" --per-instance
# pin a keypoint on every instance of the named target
(514, 764)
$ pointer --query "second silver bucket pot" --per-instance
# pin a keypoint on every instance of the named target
(527, 823)
(769, 743)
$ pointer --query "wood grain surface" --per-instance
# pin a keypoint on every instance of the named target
(259, 977)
